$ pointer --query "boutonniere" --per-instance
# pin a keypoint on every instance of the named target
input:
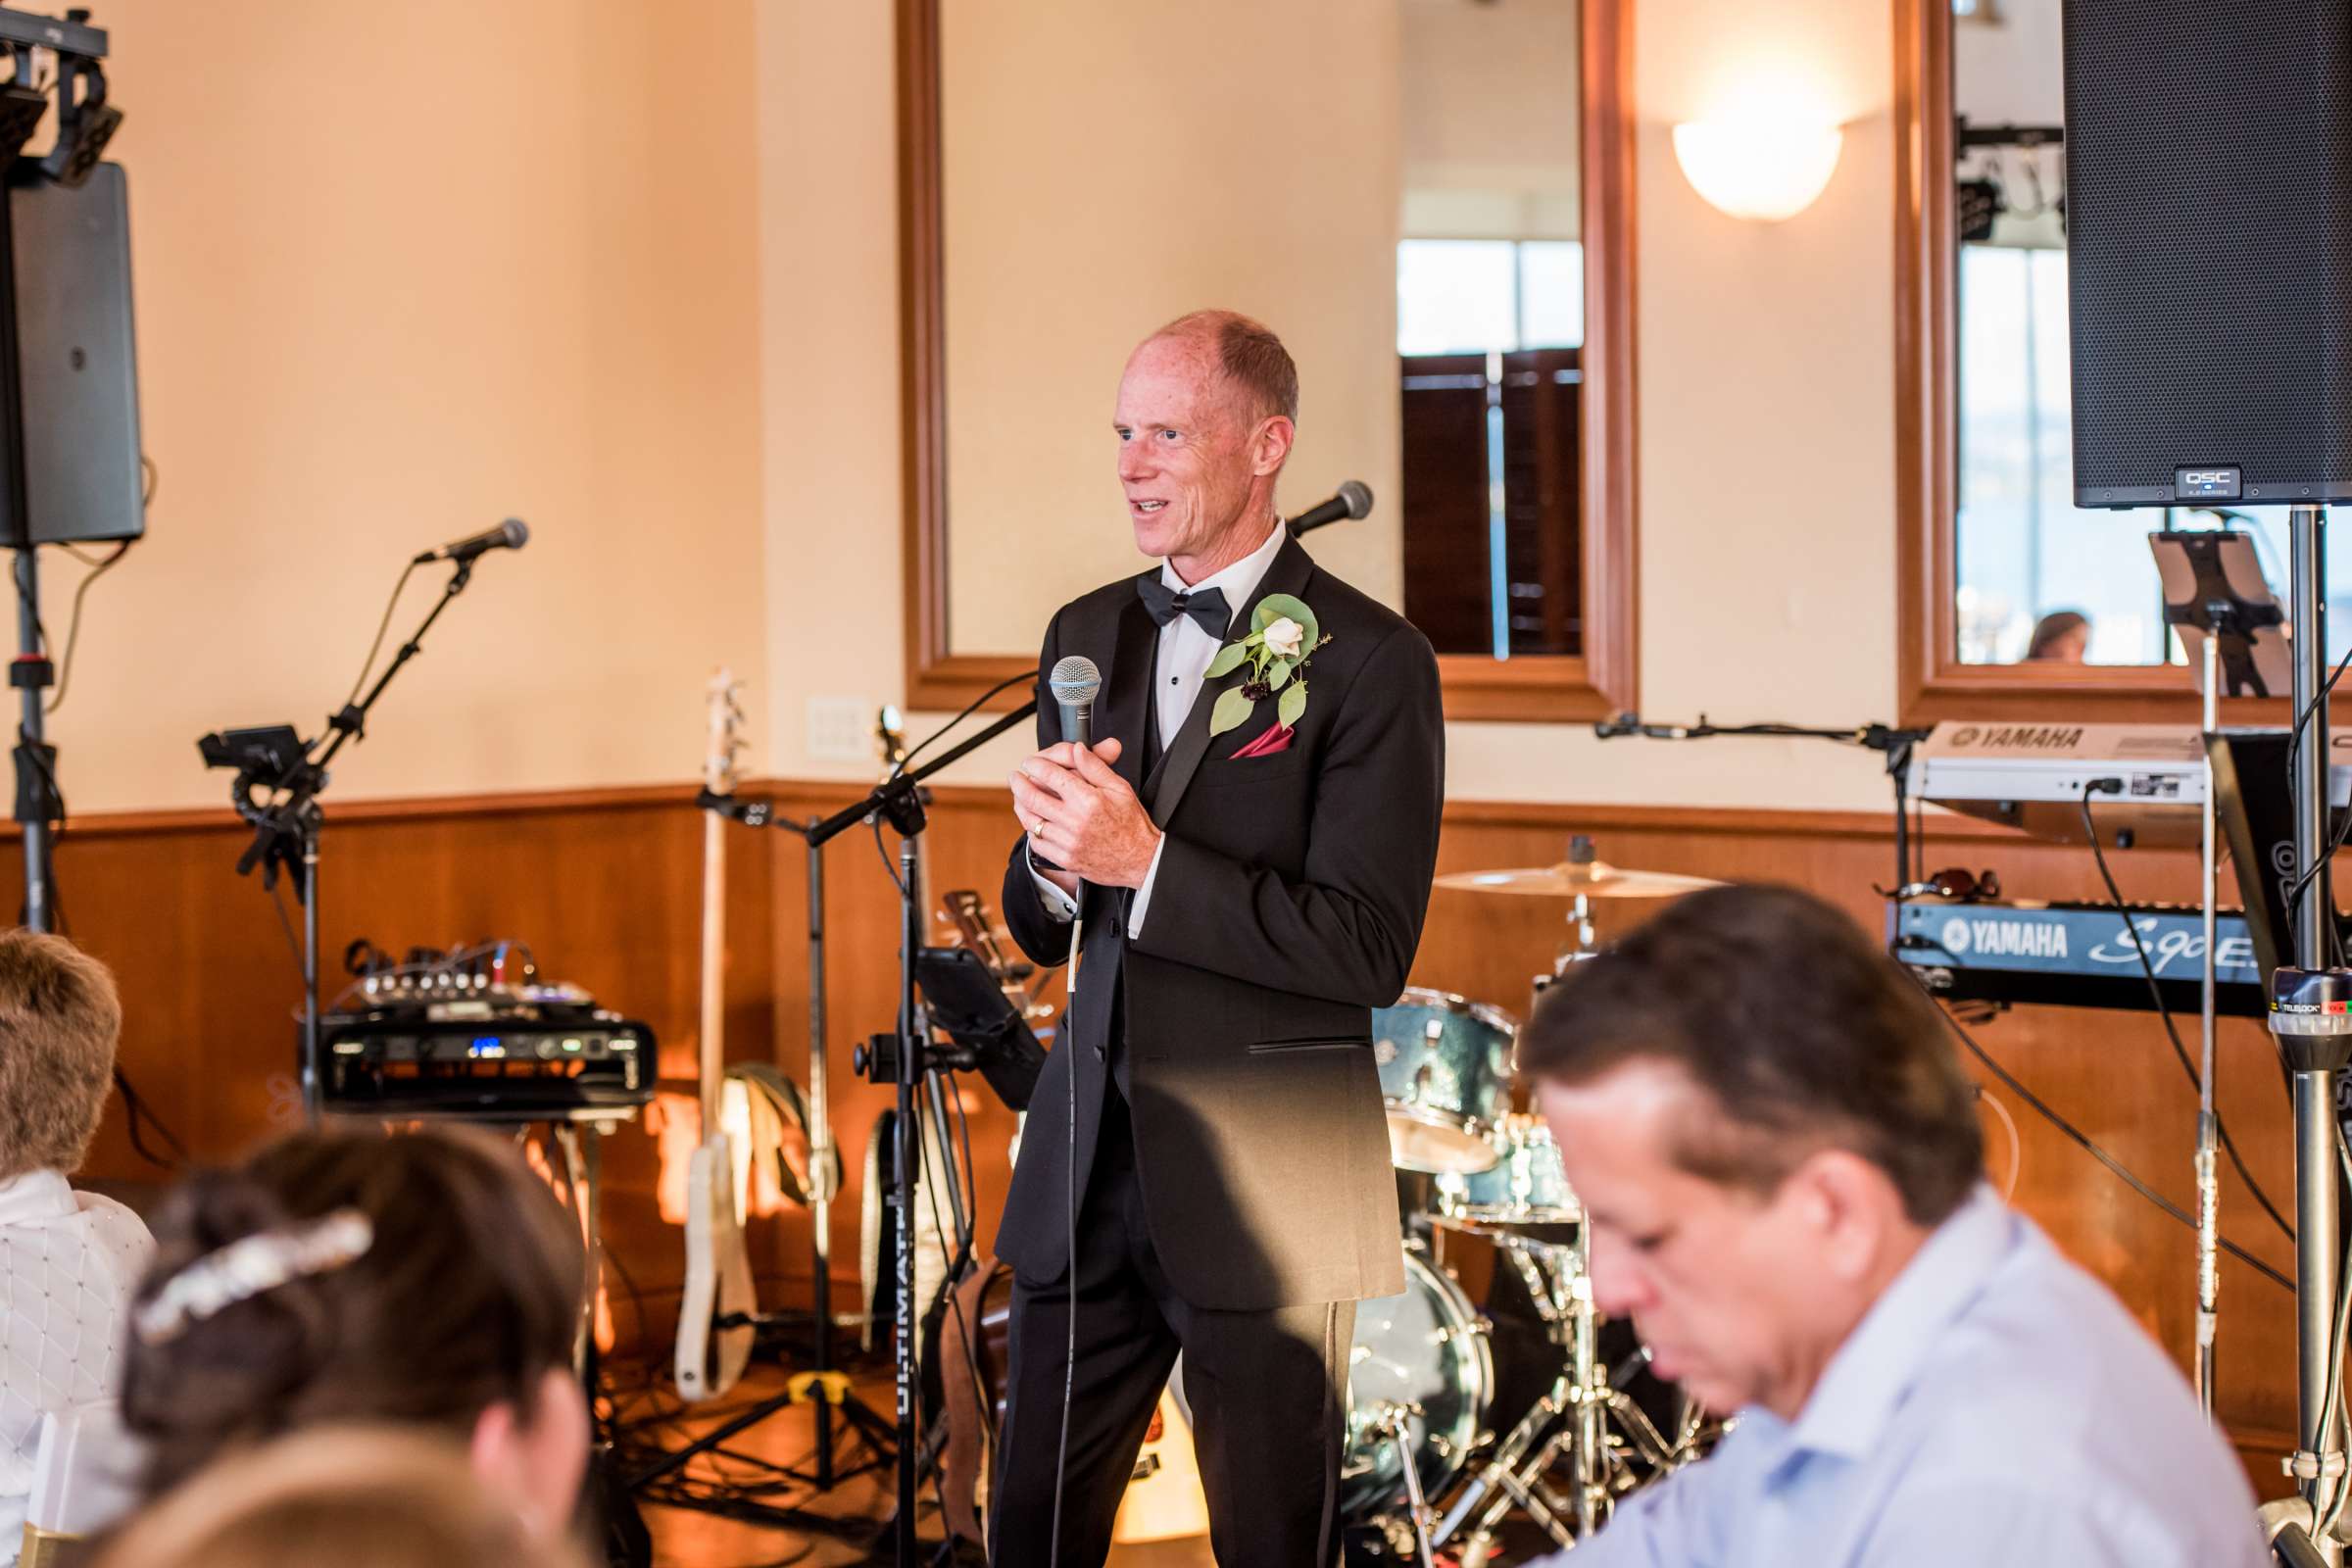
(1283, 637)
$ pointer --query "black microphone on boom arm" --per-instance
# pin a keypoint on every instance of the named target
(507, 535)
(1354, 500)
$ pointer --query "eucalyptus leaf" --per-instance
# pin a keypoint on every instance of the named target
(1231, 713)
(1278, 674)
(1292, 704)
(1229, 659)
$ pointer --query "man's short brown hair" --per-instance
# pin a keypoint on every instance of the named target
(59, 1021)
(1249, 354)
(1798, 1029)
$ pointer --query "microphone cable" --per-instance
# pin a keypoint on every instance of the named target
(2082, 1141)
(1069, 1041)
(2164, 1012)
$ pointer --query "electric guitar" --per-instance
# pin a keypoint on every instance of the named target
(719, 1271)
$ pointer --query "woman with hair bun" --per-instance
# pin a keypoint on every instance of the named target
(423, 1279)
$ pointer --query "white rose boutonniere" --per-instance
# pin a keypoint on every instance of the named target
(1283, 637)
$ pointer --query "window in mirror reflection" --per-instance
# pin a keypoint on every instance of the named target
(2040, 579)
(1487, 334)
(1491, 326)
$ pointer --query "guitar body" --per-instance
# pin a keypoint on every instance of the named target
(718, 1277)
(719, 1269)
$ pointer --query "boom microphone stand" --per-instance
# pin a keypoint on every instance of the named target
(2237, 630)
(272, 762)
(898, 801)
(821, 1376)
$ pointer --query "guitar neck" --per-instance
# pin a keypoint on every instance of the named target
(714, 967)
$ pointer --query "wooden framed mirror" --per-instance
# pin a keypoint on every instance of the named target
(2012, 602)
(1431, 200)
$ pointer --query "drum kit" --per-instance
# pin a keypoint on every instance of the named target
(1425, 1469)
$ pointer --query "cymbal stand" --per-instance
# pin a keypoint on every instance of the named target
(1575, 1415)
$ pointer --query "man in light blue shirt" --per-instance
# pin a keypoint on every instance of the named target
(1782, 1168)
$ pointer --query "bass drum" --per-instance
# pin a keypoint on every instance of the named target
(1422, 1351)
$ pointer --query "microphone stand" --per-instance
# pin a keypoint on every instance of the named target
(1895, 745)
(822, 1376)
(286, 829)
(898, 801)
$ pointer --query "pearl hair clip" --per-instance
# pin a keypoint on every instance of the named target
(251, 1265)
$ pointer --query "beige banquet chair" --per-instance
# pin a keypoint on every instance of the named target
(84, 1477)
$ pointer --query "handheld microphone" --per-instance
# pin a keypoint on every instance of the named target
(507, 535)
(1354, 500)
(1075, 683)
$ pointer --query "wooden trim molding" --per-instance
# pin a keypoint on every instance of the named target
(1932, 682)
(1595, 685)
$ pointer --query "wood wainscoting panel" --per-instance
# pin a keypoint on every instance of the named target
(605, 885)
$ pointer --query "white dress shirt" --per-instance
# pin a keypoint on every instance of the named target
(68, 1263)
(1185, 654)
(1997, 1406)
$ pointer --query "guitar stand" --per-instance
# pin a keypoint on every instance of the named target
(834, 1397)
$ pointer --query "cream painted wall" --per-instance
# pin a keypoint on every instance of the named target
(1765, 417)
(1106, 173)
(1489, 122)
(403, 270)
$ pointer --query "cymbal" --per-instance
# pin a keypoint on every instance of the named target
(1594, 879)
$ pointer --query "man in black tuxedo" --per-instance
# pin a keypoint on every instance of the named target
(1247, 898)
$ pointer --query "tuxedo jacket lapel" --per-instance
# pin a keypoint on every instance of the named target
(1135, 649)
(1164, 790)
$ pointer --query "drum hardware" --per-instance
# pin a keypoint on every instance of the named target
(1574, 1416)
(1394, 1422)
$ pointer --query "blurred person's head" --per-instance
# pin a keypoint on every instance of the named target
(349, 1497)
(428, 1278)
(59, 1023)
(2061, 637)
(1764, 1120)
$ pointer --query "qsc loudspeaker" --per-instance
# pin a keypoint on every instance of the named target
(76, 369)
(2209, 250)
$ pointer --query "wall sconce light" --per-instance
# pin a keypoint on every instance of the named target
(1763, 169)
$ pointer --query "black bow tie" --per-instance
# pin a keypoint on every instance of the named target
(1207, 606)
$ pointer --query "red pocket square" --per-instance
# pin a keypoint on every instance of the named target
(1277, 739)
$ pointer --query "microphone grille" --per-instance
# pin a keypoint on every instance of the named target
(1075, 680)
(1358, 496)
(516, 533)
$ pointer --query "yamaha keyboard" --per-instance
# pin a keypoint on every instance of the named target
(2146, 782)
(2076, 954)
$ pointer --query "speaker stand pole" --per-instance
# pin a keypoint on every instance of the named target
(2316, 1051)
(2209, 1193)
(38, 805)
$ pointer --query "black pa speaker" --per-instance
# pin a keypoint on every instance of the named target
(2209, 250)
(77, 386)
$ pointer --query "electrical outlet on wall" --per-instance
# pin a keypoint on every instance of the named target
(840, 729)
